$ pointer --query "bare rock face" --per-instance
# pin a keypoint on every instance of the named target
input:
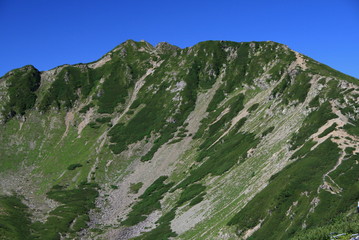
(165, 48)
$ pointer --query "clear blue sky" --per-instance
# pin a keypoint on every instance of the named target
(48, 33)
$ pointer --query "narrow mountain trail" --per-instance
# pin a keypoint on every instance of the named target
(341, 138)
(189, 219)
(326, 185)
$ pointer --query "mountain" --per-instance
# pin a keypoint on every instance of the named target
(222, 140)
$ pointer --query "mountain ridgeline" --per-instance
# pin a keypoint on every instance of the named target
(222, 140)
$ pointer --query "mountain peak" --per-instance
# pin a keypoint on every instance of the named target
(218, 140)
(165, 47)
(25, 68)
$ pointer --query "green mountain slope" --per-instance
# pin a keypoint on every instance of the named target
(221, 140)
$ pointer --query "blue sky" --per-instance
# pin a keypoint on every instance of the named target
(50, 33)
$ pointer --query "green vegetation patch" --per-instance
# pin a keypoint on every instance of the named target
(281, 87)
(352, 128)
(80, 223)
(135, 187)
(22, 86)
(304, 150)
(86, 108)
(328, 130)
(216, 129)
(294, 188)
(349, 150)
(70, 217)
(119, 76)
(336, 212)
(149, 202)
(154, 117)
(103, 120)
(115, 87)
(343, 224)
(245, 67)
(299, 89)
(197, 199)
(74, 166)
(253, 107)
(94, 125)
(63, 91)
(217, 99)
(312, 123)
(190, 192)
(314, 102)
(267, 131)
(14, 219)
(75, 205)
(333, 89)
(210, 57)
(293, 88)
(125, 68)
(221, 157)
(163, 230)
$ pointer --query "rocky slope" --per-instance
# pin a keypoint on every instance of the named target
(221, 140)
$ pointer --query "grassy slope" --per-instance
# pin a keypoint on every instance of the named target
(225, 164)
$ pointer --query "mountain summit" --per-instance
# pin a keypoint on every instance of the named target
(222, 140)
